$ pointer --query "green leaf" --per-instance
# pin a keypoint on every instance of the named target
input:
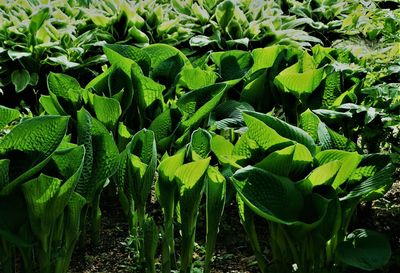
(16, 55)
(30, 145)
(223, 150)
(166, 187)
(38, 19)
(272, 197)
(161, 52)
(364, 249)
(196, 78)
(63, 61)
(329, 139)
(224, 13)
(197, 104)
(20, 79)
(65, 87)
(141, 167)
(285, 129)
(349, 160)
(259, 138)
(265, 57)
(234, 64)
(290, 161)
(190, 178)
(135, 54)
(4, 166)
(381, 179)
(101, 159)
(7, 115)
(322, 175)
(309, 122)
(299, 83)
(200, 144)
(107, 110)
(215, 203)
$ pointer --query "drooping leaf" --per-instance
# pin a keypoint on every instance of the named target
(364, 249)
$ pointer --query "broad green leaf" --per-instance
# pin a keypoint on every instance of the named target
(167, 71)
(278, 162)
(234, 64)
(63, 61)
(272, 197)
(190, 178)
(7, 115)
(259, 138)
(166, 187)
(101, 159)
(147, 90)
(196, 78)
(309, 122)
(133, 53)
(20, 79)
(289, 162)
(258, 93)
(349, 160)
(322, 175)
(40, 194)
(105, 158)
(84, 137)
(329, 139)
(188, 175)
(64, 86)
(197, 104)
(160, 52)
(164, 125)
(364, 249)
(30, 145)
(49, 106)
(285, 130)
(107, 110)
(381, 179)
(200, 144)
(265, 57)
(142, 156)
(299, 83)
(223, 150)
(16, 55)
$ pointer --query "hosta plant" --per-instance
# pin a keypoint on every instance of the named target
(101, 157)
(308, 195)
(183, 178)
(40, 208)
(135, 177)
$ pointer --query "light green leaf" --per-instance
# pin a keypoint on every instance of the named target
(20, 79)
(349, 160)
(107, 110)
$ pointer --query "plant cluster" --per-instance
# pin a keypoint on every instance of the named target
(297, 134)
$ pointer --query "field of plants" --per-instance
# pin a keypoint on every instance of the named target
(199, 136)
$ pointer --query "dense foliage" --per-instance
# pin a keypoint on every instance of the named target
(291, 109)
